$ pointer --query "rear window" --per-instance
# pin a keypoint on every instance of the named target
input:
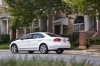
(52, 35)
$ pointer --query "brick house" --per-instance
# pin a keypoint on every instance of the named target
(60, 24)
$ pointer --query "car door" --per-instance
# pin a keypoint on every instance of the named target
(37, 38)
(25, 42)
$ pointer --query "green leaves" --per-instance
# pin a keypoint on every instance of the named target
(90, 7)
(27, 10)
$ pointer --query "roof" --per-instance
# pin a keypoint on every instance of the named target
(59, 20)
(4, 16)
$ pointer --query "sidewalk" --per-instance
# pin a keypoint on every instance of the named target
(4, 50)
(90, 52)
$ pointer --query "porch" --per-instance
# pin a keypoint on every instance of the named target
(60, 25)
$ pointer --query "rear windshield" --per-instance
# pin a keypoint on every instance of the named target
(52, 35)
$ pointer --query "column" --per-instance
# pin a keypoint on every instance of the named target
(10, 34)
(7, 26)
(39, 24)
(82, 40)
(61, 32)
(53, 29)
(47, 26)
(16, 33)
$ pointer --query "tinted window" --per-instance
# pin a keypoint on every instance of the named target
(53, 35)
(38, 36)
(29, 36)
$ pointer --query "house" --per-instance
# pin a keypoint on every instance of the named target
(83, 22)
(55, 23)
(60, 24)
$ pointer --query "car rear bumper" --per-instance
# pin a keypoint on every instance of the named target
(59, 46)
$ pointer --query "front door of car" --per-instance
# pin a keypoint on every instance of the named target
(37, 38)
(24, 43)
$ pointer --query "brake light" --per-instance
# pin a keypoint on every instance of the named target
(68, 40)
(57, 39)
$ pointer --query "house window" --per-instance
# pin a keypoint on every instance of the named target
(36, 25)
(79, 23)
(64, 29)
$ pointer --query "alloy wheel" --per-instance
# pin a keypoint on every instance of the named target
(14, 49)
(43, 49)
(59, 51)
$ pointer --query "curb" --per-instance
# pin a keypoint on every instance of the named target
(83, 53)
(4, 50)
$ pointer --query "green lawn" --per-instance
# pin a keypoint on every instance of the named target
(4, 46)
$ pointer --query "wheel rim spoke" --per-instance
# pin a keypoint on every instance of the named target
(43, 48)
(13, 49)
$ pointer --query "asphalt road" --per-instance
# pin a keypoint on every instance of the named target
(53, 55)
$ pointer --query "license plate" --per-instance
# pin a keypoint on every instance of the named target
(64, 40)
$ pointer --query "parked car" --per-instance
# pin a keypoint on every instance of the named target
(40, 41)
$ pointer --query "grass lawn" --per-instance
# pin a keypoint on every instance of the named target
(4, 46)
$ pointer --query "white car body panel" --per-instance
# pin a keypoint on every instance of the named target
(33, 44)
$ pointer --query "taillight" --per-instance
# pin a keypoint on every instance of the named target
(57, 39)
(68, 40)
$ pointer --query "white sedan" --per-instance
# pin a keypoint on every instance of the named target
(40, 41)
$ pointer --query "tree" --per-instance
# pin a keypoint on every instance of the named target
(24, 11)
(90, 7)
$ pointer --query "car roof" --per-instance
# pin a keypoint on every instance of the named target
(39, 32)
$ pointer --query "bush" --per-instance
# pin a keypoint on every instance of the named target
(4, 38)
(73, 39)
(93, 41)
(72, 36)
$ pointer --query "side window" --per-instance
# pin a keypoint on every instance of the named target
(29, 36)
(38, 36)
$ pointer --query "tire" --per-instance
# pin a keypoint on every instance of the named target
(43, 49)
(30, 52)
(14, 49)
(59, 51)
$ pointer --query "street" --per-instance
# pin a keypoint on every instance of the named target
(52, 55)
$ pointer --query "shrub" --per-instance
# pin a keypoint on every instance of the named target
(73, 39)
(93, 41)
(4, 38)
(72, 36)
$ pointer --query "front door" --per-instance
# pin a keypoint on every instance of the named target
(24, 43)
(34, 44)
(57, 29)
(13, 34)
